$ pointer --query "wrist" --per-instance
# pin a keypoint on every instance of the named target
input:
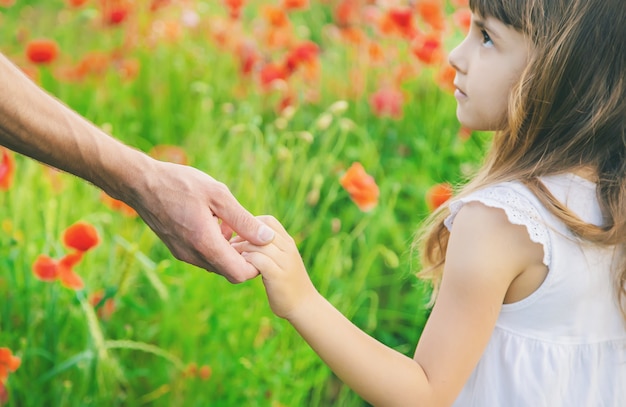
(306, 308)
(125, 173)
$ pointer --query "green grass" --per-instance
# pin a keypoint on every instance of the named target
(169, 314)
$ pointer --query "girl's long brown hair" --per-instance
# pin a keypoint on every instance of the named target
(567, 111)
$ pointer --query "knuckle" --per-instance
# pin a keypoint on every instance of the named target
(220, 196)
(221, 190)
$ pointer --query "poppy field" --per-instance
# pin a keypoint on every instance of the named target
(334, 116)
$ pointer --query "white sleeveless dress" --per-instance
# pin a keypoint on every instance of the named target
(565, 344)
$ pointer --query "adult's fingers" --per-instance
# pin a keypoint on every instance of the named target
(236, 217)
(225, 260)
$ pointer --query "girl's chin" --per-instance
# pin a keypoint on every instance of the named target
(474, 125)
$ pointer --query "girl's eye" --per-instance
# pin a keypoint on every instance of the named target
(486, 38)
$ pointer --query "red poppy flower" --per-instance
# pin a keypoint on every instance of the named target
(67, 276)
(128, 68)
(353, 35)
(71, 259)
(76, 3)
(7, 3)
(295, 4)
(463, 19)
(270, 73)
(432, 13)
(361, 186)
(427, 48)
(465, 133)
(234, 8)
(375, 52)
(42, 51)
(115, 12)
(460, 3)
(437, 195)
(275, 16)
(205, 372)
(104, 307)
(81, 236)
(156, 5)
(387, 101)
(46, 268)
(399, 20)
(285, 102)
(93, 63)
(7, 168)
(346, 13)
(305, 53)
(8, 363)
(445, 77)
(248, 58)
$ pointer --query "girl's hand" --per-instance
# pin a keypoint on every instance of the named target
(286, 280)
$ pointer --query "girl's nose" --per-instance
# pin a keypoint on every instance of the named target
(456, 59)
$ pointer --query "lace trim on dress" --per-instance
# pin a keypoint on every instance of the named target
(519, 210)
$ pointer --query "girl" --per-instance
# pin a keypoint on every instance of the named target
(529, 259)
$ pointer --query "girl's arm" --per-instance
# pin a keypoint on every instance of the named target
(485, 253)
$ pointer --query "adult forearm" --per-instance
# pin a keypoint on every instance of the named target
(191, 212)
(379, 374)
(36, 124)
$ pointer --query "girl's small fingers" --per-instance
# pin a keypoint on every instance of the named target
(242, 246)
(261, 262)
(269, 250)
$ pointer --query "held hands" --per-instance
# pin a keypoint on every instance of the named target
(285, 278)
(195, 216)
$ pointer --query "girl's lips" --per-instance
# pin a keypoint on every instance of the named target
(459, 94)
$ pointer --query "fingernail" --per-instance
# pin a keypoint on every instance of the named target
(266, 234)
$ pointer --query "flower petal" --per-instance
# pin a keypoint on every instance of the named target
(42, 51)
(71, 259)
(361, 186)
(70, 279)
(67, 276)
(45, 268)
(4, 374)
(7, 167)
(437, 195)
(81, 236)
(8, 360)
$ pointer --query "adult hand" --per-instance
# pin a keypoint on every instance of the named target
(195, 216)
(191, 212)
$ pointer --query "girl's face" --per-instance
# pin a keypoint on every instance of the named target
(488, 62)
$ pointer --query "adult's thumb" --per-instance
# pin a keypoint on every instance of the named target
(246, 225)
